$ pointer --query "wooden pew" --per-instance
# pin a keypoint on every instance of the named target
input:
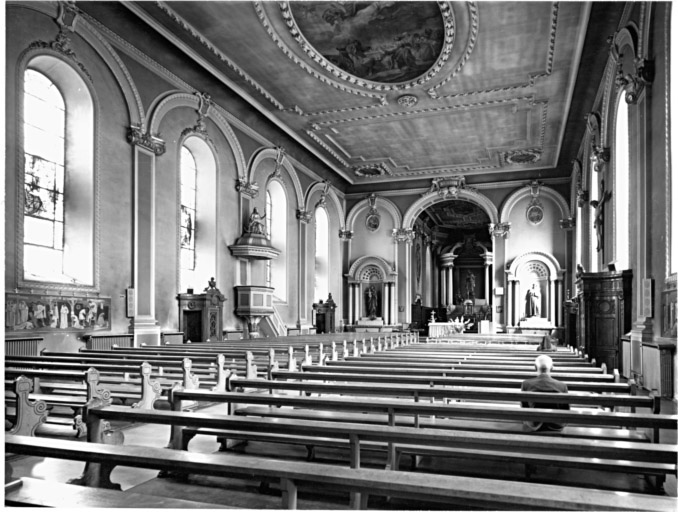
(649, 459)
(451, 490)
(31, 492)
(89, 378)
(30, 414)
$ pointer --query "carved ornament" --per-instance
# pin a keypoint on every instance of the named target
(371, 170)
(448, 187)
(279, 157)
(137, 137)
(345, 235)
(373, 219)
(635, 83)
(403, 235)
(323, 194)
(304, 216)
(61, 45)
(535, 209)
(408, 100)
(599, 157)
(200, 129)
(501, 229)
(247, 188)
(523, 156)
(567, 224)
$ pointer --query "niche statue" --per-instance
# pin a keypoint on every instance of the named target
(372, 302)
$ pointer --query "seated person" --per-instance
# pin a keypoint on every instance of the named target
(549, 343)
(544, 383)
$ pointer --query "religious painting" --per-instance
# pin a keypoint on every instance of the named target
(386, 42)
(56, 313)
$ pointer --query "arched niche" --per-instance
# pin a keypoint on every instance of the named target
(543, 271)
(378, 275)
(459, 262)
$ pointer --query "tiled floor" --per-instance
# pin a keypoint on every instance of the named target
(246, 494)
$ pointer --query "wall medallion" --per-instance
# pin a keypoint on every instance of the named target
(535, 214)
(373, 219)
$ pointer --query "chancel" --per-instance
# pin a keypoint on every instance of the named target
(305, 255)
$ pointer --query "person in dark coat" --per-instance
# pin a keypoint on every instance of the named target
(544, 383)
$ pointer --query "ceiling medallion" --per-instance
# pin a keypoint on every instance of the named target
(522, 156)
(382, 46)
(370, 170)
(407, 100)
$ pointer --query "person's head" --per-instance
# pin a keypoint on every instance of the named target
(544, 364)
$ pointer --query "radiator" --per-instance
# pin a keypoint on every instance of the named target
(22, 346)
(172, 338)
(106, 342)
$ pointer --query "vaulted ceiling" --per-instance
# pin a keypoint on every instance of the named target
(389, 94)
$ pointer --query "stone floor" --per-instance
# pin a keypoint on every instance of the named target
(247, 494)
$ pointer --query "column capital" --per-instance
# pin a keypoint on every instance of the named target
(501, 229)
(447, 260)
(304, 216)
(489, 258)
(403, 235)
(137, 137)
(247, 188)
(345, 235)
(567, 224)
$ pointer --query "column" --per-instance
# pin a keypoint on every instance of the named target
(442, 283)
(489, 260)
(450, 284)
(518, 303)
(552, 301)
(357, 303)
(385, 301)
(392, 295)
(146, 149)
(350, 304)
(508, 305)
(304, 218)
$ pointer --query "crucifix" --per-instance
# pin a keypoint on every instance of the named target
(599, 206)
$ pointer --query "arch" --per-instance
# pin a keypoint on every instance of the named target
(262, 154)
(382, 202)
(79, 267)
(361, 265)
(167, 102)
(551, 263)
(450, 250)
(433, 197)
(319, 185)
(91, 32)
(544, 192)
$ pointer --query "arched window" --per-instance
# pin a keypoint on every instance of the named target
(189, 177)
(276, 228)
(197, 213)
(58, 143)
(621, 185)
(322, 254)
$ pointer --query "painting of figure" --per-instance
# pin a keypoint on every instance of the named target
(387, 42)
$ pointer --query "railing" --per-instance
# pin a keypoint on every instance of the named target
(107, 341)
(277, 322)
(22, 346)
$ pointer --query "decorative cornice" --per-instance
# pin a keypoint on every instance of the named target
(263, 18)
(403, 235)
(61, 45)
(448, 22)
(137, 137)
(247, 188)
(304, 215)
(345, 235)
(501, 229)
(371, 170)
(327, 148)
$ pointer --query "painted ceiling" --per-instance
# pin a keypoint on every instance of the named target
(395, 92)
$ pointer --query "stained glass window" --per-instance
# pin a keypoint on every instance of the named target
(189, 174)
(44, 150)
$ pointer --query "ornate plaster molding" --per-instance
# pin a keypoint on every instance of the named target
(326, 192)
(448, 187)
(200, 129)
(501, 229)
(345, 235)
(247, 188)
(359, 265)
(448, 22)
(371, 170)
(62, 46)
(526, 191)
(327, 148)
(137, 137)
(431, 198)
(401, 235)
(282, 160)
(380, 202)
(522, 156)
(304, 216)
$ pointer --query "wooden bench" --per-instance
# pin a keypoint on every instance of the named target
(450, 490)
(31, 492)
(319, 373)
(649, 459)
(89, 378)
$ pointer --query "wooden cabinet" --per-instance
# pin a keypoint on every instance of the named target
(604, 314)
(201, 315)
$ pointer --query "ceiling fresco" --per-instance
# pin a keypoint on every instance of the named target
(389, 92)
(387, 42)
(458, 214)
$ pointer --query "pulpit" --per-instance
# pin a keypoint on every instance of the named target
(324, 315)
(201, 314)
